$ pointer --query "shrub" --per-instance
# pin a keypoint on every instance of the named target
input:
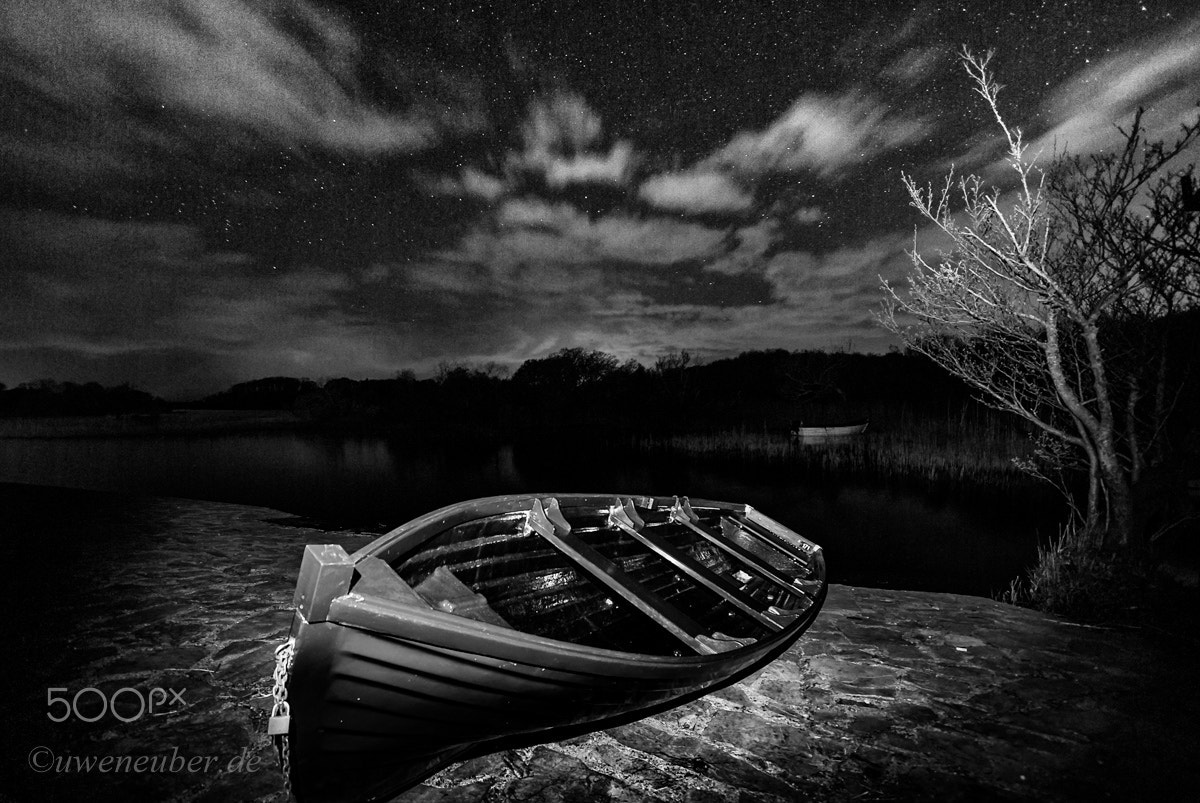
(1076, 577)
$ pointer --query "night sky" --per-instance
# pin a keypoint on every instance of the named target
(200, 192)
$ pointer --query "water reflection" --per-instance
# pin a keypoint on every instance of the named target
(932, 540)
(356, 481)
(873, 536)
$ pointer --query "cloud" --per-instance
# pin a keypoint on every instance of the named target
(612, 167)
(828, 280)
(823, 134)
(913, 65)
(696, 192)
(103, 296)
(470, 182)
(284, 71)
(561, 147)
(308, 323)
(449, 280)
(95, 287)
(807, 299)
(562, 122)
(562, 142)
(1161, 76)
(481, 185)
(749, 252)
(636, 327)
(531, 230)
(529, 274)
(115, 301)
(919, 21)
(1085, 110)
(808, 214)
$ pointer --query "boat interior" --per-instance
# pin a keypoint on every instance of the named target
(612, 576)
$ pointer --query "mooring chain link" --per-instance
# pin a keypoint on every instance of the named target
(281, 712)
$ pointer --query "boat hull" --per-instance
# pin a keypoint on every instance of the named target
(821, 434)
(393, 711)
(383, 693)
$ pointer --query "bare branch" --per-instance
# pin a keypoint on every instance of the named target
(1046, 308)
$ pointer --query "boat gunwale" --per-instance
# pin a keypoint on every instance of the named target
(389, 619)
(413, 533)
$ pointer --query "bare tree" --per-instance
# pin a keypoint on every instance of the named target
(1056, 305)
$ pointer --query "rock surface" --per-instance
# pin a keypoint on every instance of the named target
(891, 695)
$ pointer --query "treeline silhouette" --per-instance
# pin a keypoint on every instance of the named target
(47, 397)
(581, 391)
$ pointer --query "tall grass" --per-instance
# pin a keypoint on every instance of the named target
(961, 447)
(1075, 577)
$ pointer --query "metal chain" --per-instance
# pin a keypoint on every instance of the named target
(281, 709)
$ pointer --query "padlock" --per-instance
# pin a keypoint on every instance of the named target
(278, 726)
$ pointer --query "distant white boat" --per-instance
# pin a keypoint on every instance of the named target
(817, 434)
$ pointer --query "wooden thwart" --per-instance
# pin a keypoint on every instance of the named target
(445, 592)
(379, 579)
(682, 513)
(542, 520)
(441, 590)
(623, 517)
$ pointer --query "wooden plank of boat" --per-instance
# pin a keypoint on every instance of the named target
(515, 620)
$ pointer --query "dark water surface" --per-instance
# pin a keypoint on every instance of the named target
(873, 535)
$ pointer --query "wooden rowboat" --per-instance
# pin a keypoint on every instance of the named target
(818, 434)
(515, 620)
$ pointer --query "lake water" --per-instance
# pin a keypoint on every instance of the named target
(873, 536)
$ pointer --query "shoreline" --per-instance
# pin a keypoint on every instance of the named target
(131, 425)
(851, 461)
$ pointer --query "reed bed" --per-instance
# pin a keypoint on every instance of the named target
(962, 449)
